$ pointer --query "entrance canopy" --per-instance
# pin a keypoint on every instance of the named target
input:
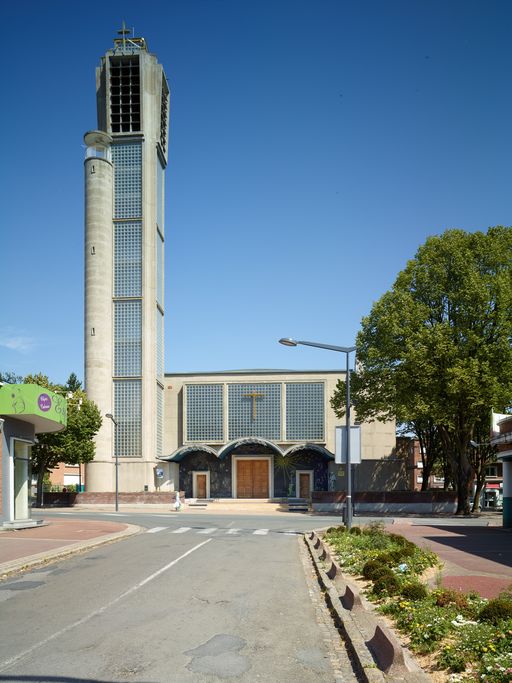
(226, 450)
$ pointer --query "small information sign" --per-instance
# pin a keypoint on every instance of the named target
(340, 455)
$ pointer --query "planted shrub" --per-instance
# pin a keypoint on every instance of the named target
(387, 583)
(403, 552)
(414, 591)
(452, 659)
(356, 530)
(496, 610)
(374, 569)
(397, 556)
(336, 530)
(449, 596)
(370, 567)
(386, 559)
(380, 572)
(402, 541)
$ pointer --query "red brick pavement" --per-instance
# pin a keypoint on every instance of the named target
(25, 547)
(474, 558)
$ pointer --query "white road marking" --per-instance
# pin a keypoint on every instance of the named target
(233, 531)
(291, 533)
(116, 514)
(156, 529)
(181, 530)
(260, 532)
(211, 530)
(10, 662)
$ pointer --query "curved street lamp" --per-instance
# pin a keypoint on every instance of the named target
(347, 350)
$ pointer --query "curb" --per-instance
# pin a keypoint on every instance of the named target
(374, 648)
(46, 557)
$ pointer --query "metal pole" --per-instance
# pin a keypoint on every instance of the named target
(349, 464)
(117, 468)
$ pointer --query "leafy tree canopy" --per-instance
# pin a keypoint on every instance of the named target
(9, 377)
(75, 444)
(437, 346)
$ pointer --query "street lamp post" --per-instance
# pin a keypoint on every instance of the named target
(347, 350)
(114, 421)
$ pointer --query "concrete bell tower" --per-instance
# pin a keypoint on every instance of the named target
(124, 264)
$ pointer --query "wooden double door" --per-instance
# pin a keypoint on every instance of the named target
(252, 478)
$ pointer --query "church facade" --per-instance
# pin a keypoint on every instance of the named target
(257, 434)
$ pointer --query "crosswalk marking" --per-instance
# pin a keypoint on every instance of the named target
(209, 531)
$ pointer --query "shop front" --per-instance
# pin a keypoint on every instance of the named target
(25, 411)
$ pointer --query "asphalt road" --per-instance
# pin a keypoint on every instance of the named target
(282, 521)
(199, 598)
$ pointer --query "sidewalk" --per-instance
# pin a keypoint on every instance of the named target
(55, 539)
(475, 558)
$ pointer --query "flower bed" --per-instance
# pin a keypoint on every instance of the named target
(468, 637)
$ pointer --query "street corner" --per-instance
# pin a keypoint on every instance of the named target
(22, 550)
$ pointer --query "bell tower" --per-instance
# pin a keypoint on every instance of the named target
(125, 167)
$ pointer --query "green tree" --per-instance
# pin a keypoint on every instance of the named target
(9, 377)
(73, 383)
(75, 443)
(437, 346)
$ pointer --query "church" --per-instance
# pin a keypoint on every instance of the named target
(258, 434)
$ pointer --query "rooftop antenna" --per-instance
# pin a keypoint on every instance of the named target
(124, 32)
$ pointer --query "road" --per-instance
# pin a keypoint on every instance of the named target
(200, 598)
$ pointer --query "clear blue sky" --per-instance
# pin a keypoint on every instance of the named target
(314, 146)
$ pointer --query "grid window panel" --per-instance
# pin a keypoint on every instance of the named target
(159, 269)
(128, 258)
(254, 410)
(127, 158)
(159, 343)
(159, 419)
(128, 412)
(305, 411)
(205, 412)
(127, 338)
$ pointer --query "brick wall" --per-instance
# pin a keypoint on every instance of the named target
(149, 497)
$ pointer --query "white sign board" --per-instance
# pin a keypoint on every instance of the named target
(340, 454)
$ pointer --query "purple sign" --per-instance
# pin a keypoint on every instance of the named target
(44, 402)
